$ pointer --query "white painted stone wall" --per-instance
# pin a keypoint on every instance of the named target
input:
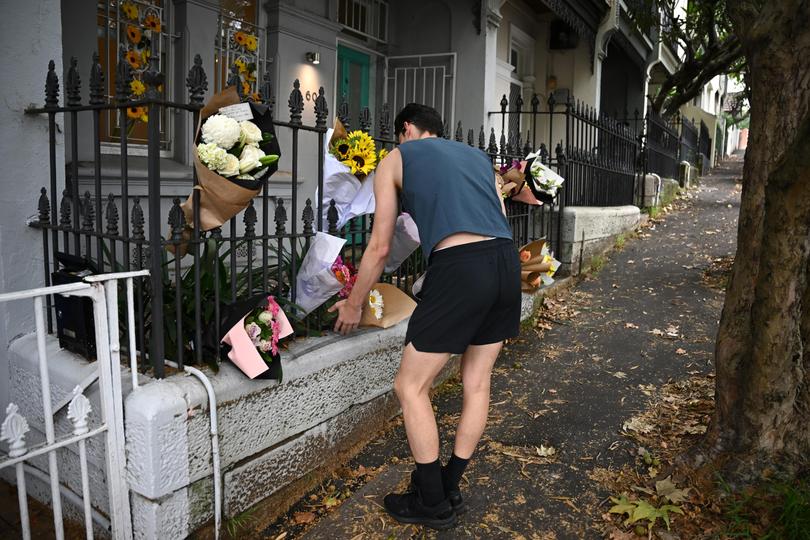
(24, 154)
(587, 231)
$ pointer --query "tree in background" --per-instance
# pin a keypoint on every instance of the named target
(702, 33)
(762, 355)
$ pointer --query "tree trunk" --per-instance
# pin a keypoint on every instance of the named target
(762, 356)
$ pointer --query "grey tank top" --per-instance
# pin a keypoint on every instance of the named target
(448, 187)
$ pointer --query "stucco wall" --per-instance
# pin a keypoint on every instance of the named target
(24, 154)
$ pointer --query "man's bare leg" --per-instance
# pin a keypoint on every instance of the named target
(476, 372)
(412, 386)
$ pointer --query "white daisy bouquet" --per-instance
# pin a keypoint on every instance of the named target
(387, 305)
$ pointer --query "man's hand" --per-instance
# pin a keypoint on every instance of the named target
(348, 316)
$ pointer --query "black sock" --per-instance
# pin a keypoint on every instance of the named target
(429, 477)
(453, 471)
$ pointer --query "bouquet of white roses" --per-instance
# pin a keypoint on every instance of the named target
(231, 148)
(235, 152)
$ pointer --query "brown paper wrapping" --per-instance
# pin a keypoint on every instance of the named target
(338, 133)
(397, 306)
(220, 199)
(534, 267)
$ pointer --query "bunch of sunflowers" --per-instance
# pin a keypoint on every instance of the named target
(357, 151)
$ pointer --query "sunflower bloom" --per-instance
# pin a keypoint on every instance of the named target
(362, 140)
(245, 89)
(152, 22)
(251, 43)
(240, 38)
(137, 87)
(137, 113)
(134, 59)
(133, 34)
(130, 10)
(383, 152)
(340, 149)
(362, 160)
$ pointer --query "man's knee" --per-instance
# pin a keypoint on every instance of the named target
(476, 385)
(406, 389)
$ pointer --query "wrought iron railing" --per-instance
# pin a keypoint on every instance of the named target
(177, 308)
(661, 145)
(689, 142)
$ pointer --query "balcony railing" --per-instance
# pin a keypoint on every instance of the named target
(367, 18)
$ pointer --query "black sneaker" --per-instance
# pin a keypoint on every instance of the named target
(409, 508)
(453, 495)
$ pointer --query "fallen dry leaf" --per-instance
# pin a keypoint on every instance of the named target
(630, 325)
(303, 517)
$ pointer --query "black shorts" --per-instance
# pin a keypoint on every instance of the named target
(471, 296)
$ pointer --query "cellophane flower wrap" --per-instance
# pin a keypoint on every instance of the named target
(235, 152)
(317, 280)
(348, 174)
(543, 181)
(254, 331)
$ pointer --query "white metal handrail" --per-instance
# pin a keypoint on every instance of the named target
(103, 291)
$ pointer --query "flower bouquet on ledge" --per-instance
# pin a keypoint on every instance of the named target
(255, 329)
(386, 306)
(235, 152)
(537, 266)
(528, 181)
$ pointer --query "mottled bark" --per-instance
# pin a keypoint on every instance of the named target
(762, 354)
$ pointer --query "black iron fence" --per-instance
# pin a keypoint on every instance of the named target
(705, 147)
(661, 145)
(689, 142)
(596, 154)
(259, 250)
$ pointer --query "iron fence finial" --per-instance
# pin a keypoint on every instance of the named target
(296, 103)
(123, 79)
(365, 120)
(249, 219)
(385, 121)
(308, 217)
(280, 217)
(459, 132)
(44, 207)
(196, 82)
(51, 87)
(73, 84)
(111, 215)
(96, 82)
(482, 139)
(321, 109)
(153, 79)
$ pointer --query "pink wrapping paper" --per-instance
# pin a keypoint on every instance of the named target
(243, 352)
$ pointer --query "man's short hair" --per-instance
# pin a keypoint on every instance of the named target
(423, 117)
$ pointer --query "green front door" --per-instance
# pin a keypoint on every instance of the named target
(353, 87)
(353, 81)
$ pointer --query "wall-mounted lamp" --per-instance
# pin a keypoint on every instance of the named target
(313, 58)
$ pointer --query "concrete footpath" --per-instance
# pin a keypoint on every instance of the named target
(562, 391)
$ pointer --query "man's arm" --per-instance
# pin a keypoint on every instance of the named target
(386, 179)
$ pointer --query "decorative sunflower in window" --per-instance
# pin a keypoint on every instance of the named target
(241, 65)
(130, 10)
(251, 43)
(137, 87)
(240, 38)
(245, 88)
(138, 113)
(134, 59)
(133, 34)
(152, 22)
